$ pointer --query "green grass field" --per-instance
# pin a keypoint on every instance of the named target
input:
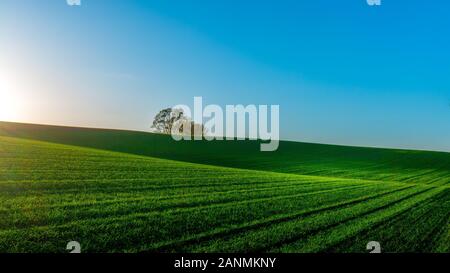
(122, 191)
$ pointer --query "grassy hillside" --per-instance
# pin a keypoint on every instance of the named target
(291, 157)
(116, 202)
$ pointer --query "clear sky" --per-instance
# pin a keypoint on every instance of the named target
(342, 71)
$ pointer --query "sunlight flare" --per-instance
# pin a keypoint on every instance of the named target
(9, 103)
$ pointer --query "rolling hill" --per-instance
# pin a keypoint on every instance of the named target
(291, 157)
(122, 191)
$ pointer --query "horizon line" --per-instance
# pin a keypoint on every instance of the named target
(280, 140)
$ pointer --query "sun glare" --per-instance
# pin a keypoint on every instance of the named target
(11, 97)
(8, 105)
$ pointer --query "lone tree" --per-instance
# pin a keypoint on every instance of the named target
(165, 119)
(169, 118)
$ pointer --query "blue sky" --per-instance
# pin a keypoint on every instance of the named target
(342, 72)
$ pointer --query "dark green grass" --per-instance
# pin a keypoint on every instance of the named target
(291, 157)
(51, 194)
(122, 191)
